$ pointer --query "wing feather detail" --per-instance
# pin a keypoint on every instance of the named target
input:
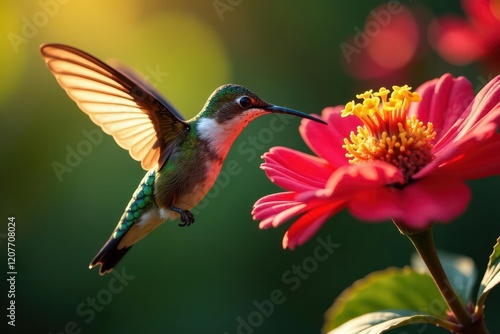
(135, 115)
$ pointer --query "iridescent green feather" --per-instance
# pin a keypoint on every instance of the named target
(141, 200)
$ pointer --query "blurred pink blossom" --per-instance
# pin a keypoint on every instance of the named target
(476, 37)
(385, 46)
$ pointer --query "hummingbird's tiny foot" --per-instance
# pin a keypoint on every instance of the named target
(187, 217)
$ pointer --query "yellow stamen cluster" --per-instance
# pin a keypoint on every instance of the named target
(388, 134)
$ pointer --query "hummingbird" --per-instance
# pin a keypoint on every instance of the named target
(183, 158)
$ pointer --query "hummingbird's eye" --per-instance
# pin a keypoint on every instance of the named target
(245, 102)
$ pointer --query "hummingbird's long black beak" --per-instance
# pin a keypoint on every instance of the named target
(283, 110)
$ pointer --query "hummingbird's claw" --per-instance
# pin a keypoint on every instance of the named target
(187, 217)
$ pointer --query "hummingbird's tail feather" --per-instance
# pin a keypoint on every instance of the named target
(140, 217)
(109, 256)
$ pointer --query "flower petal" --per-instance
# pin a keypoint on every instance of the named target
(477, 161)
(349, 180)
(282, 216)
(487, 102)
(273, 204)
(327, 141)
(293, 170)
(418, 205)
(485, 108)
(275, 209)
(444, 102)
(306, 226)
(481, 123)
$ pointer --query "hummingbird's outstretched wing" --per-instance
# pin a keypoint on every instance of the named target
(139, 79)
(136, 116)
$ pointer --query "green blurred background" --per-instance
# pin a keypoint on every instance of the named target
(199, 279)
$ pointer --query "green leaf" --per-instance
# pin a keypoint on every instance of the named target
(390, 289)
(461, 272)
(491, 277)
(380, 322)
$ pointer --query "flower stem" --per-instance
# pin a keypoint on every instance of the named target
(423, 242)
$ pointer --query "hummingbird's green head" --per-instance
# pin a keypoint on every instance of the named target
(231, 102)
(228, 111)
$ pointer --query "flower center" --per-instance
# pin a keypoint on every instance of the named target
(388, 134)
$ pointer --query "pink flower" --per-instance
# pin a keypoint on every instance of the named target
(370, 52)
(406, 156)
(461, 41)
